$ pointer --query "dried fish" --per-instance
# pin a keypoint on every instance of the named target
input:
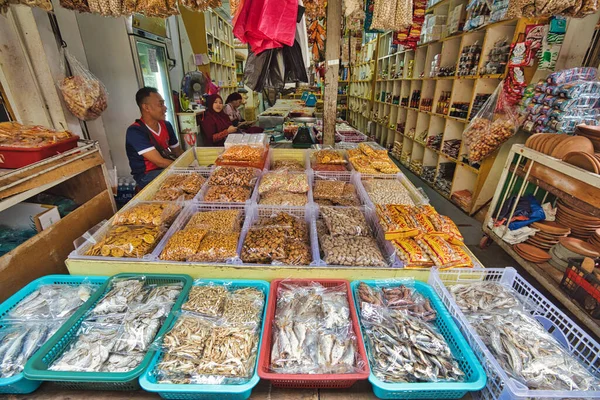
(403, 348)
(399, 297)
(531, 355)
(18, 342)
(122, 362)
(244, 306)
(483, 296)
(140, 325)
(312, 331)
(206, 300)
(122, 293)
(51, 301)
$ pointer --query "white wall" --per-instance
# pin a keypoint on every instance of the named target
(182, 52)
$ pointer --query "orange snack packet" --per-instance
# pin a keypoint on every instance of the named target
(395, 223)
(411, 253)
(442, 253)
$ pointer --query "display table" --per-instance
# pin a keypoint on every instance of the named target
(205, 157)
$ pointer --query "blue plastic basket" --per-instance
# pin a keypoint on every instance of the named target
(196, 391)
(475, 377)
(18, 384)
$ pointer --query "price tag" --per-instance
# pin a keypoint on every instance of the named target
(152, 60)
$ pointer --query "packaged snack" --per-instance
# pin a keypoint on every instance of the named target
(233, 176)
(216, 247)
(328, 189)
(178, 185)
(442, 253)
(217, 220)
(328, 156)
(127, 241)
(283, 181)
(182, 245)
(352, 251)
(445, 225)
(227, 194)
(287, 165)
(281, 198)
(411, 253)
(243, 153)
(395, 223)
(345, 221)
(155, 214)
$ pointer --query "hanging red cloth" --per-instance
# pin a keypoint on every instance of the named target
(266, 24)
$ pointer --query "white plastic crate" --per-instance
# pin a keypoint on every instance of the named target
(415, 194)
(499, 385)
(276, 154)
(348, 177)
(255, 211)
(253, 194)
(385, 247)
(185, 216)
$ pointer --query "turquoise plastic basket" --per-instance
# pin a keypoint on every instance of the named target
(193, 392)
(18, 384)
(475, 378)
(37, 367)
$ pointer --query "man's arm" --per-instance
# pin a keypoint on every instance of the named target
(173, 140)
(154, 157)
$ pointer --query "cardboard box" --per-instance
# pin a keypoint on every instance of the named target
(30, 215)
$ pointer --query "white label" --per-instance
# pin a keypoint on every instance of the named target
(152, 60)
(333, 62)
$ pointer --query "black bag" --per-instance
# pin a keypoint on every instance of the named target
(164, 153)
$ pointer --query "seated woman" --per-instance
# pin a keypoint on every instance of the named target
(232, 104)
(216, 125)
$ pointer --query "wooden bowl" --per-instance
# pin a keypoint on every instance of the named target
(582, 160)
(572, 143)
(551, 227)
(579, 247)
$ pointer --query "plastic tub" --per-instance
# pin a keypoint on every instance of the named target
(474, 372)
(37, 367)
(276, 154)
(572, 337)
(256, 211)
(18, 384)
(301, 381)
(385, 247)
(233, 392)
(185, 216)
(18, 157)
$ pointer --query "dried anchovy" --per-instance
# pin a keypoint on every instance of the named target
(207, 300)
(483, 296)
(244, 306)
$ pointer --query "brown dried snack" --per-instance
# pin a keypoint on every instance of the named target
(84, 96)
(207, 300)
(182, 245)
(351, 250)
(244, 153)
(328, 189)
(217, 220)
(75, 5)
(329, 157)
(287, 165)
(156, 214)
(217, 247)
(236, 176)
(295, 227)
(127, 241)
(278, 198)
(227, 194)
(345, 221)
(177, 185)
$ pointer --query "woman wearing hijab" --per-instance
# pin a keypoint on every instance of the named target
(233, 102)
(216, 124)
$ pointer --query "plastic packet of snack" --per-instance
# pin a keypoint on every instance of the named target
(281, 198)
(155, 214)
(127, 241)
(345, 221)
(183, 244)
(351, 251)
(442, 253)
(243, 152)
(328, 189)
(293, 226)
(395, 223)
(330, 167)
(287, 165)
(328, 156)
(244, 306)
(217, 220)
(177, 185)
(349, 196)
(216, 247)
(233, 176)
(263, 245)
(445, 225)
(283, 181)
(227, 194)
(411, 254)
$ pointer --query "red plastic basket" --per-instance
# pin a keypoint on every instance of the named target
(310, 381)
(17, 157)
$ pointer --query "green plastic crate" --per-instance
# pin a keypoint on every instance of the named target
(37, 367)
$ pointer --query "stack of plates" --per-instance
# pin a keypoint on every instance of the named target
(590, 132)
(559, 145)
(570, 248)
(582, 225)
(548, 234)
(531, 253)
(594, 240)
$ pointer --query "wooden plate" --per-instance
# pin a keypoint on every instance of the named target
(539, 142)
(576, 214)
(532, 251)
(579, 247)
(531, 139)
(573, 143)
(551, 227)
(582, 160)
(551, 144)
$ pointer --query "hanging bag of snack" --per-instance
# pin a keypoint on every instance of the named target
(84, 95)
(494, 124)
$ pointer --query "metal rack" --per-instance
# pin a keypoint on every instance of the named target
(518, 178)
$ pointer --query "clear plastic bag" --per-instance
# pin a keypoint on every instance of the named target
(20, 340)
(233, 176)
(345, 221)
(328, 190)
(84, 95)
(495, 123)
(247, 153)
(118, 362)
(51, 302)
(287, 165)
(153, 214)
(312, 331)
(183, 244)
(281, 198)
(217, 247)
(244, 306)
(387, 191)
(140, 325)
(227, 194)
(176, 186)
(442, 253)
(217, 220)
(283, 181)
(328, 156)
(352, 251)
(122, 293)
(483, 296)
(126, 241)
